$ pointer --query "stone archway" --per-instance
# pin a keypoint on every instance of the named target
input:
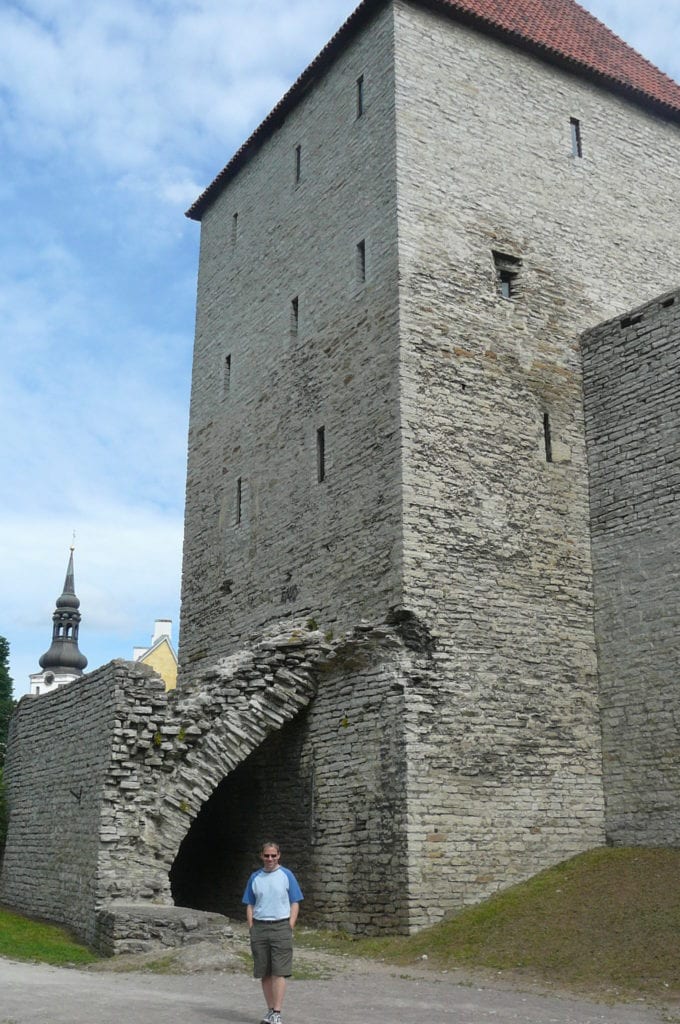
(185, 746)
(135, 775)
(266, 796)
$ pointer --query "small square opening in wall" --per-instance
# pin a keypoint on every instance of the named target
(576, 141)
(361, 261)
(294, 316)
(298, 163)
(507, 273)
(226, 380)
(234, 229)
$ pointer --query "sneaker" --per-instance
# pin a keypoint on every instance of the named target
(275, 1017)
(268, 1017)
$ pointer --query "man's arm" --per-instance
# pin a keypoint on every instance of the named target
(294, 910)
(249, 914)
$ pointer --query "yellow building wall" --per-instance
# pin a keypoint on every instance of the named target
(162, 659)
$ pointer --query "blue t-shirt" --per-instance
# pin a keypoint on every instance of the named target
(271, 893)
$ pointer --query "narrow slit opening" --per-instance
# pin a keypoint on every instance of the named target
(361, 261)
(576, 143)
(360, 95)
(547, 437)
(321, 454)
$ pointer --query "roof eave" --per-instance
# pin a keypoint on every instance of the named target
(333, 48)
(354, 24)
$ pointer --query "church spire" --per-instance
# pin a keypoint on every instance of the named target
(64, 661)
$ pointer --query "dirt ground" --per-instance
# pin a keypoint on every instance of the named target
(207, 983)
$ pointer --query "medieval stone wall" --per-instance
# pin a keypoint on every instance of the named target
(296, 331)
(123, 795)
(106, 775)
(456, 481)
(58, 759)
(496, 525)
(356, 859)
(330, 787)
(632, 402)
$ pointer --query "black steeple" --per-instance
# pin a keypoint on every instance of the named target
(64, 655)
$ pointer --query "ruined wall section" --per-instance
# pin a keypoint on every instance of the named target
(107, 776)
(330, 787)
(631, 370)
(57, 769)
(496, 543)
(173, 760)
(297, 331)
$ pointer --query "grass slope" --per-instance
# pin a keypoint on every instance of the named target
(606, 920)
(24, 939)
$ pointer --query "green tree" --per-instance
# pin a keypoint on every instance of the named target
(6, 700)
(6, 709)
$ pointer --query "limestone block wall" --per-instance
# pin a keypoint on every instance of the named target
(106, 775)
(496, 523)
(297, 332)
(121, 793)
(356, 861)
(57, 769)
(350, 282)
(631, 370)
(330, 787)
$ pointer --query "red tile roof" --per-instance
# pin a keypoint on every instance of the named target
(560, 31)
(563, 29)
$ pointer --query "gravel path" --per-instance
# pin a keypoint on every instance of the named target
(354, 994)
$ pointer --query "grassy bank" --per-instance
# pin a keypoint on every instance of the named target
(608, 920)
(24, 939)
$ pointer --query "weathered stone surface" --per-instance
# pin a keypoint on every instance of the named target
(425, 728)
(143, 927)
(440, 497)
(121, 823)
(631, 373)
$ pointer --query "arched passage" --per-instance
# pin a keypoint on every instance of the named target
(268, 795)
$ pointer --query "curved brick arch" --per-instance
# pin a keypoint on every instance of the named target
(183, 746)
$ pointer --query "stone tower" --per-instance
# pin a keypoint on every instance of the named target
(64, 661)
(387, 424)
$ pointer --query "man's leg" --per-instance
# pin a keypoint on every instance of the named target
(261, 949)
(268, 991)
(278, 991)
(274, 990)
(281, 961)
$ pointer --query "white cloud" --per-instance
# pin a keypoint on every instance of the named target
(129, 84)
(114, 115)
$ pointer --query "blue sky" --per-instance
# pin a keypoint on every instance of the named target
(114, 115)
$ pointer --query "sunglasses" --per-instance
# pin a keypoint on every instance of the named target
(270, 856)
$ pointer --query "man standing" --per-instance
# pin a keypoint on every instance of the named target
(272, 899)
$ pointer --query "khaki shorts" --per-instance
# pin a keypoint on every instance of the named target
(271, 943)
